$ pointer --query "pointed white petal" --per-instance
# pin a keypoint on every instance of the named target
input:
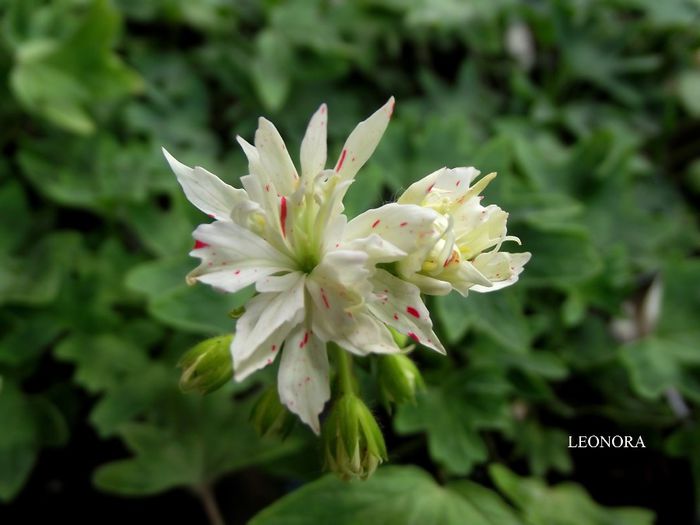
(313, 147)
(405, 226)
(303, 376)
(398, 304)
(502, 268)
(233, 257)
(264, 355)
(274, 158)
(429, 285)
(365, 335)
(417, 191)
(378, 250)
(278, 283)
(363, 141)
(260, 184)
(227, 277)
(205, 190)
(453, 183)
(240, 244)
(268, 317)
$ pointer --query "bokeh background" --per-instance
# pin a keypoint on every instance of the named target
(589, 111)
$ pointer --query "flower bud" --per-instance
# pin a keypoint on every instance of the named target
(269, 416)
(352, 442)
(207, 366)
(399, 379)
(400, 339)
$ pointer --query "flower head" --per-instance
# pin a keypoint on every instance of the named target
(315, 273)
(466, 252)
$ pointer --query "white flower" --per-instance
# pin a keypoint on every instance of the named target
(314, 272)
(466, 255)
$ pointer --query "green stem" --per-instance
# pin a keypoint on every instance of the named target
(206, 496)
(343, 361)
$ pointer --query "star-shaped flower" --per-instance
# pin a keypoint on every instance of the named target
(315, 274)
(467, 254)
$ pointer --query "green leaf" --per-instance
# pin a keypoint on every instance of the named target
(559, 257)
(26, 336)
(270, 69)
(450, 310)
(14, 216)
(656, 365)
(119, 368)
(34, 278)
(104, 361)
(62, 80)
(669, 358)
(543, 448)
(16, 463)
(452, 412)
(393, 496)
(497, 315)
(196, 440)
(563, 504)
(196, 308)
(689, 91)
(97, 173)
(29, 423)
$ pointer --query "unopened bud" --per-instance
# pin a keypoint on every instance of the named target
(352, 442)
(208, 366)
(400, 339)
(399, 380)
(269, 416)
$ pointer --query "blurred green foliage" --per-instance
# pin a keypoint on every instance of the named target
(590, 112)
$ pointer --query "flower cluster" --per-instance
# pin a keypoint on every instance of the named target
(321, 278)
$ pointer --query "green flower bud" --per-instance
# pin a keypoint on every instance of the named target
(353, 444)
(269, 416)
(399, 379)
(208, 366)
(400, 339)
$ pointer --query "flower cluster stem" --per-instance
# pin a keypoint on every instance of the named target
(343, 361)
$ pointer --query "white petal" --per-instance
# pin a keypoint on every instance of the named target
(417, 191)
(205, 190)
(502, 268)
(229, 278)
(274, 157)
(278, 283)
(303, 376)
(464, 276)
(267, 315)
(451, 183)
(264, 355)
(364, 335)
(405, 226)
(363, 141)
(398, 304)
(262, 187)
(346, 272)
(378, 250)
(239, 243)
(313, 147)
(234, 257)
(429, 285)
(339, 288)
